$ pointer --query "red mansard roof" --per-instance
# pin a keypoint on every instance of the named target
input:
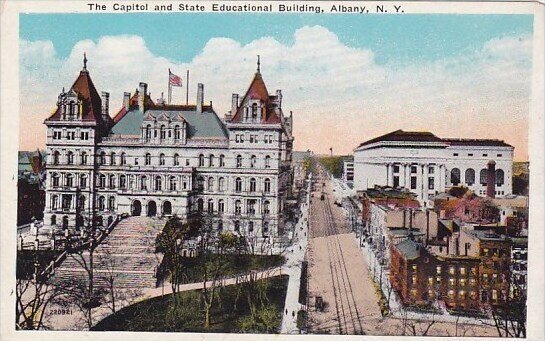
(258, 90)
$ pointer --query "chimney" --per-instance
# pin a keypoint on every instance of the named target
(142, 91)
(126, 100)
(279, 98)
(105, 103)
(200, 97)
(234, 104)
(491, 180)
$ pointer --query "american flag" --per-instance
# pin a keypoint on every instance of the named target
(173, 79)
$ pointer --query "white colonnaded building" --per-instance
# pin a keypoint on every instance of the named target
(426, 164)
(159, 159)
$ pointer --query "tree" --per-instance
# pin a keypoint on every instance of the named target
(32, 297)
(509, 317)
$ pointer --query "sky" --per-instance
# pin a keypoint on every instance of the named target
(347, 78)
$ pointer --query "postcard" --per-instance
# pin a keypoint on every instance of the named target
(231, 169)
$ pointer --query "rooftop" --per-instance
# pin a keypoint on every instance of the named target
(488, 235)
(409, 249)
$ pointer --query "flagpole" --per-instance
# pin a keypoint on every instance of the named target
(168, 95)
(187, 88)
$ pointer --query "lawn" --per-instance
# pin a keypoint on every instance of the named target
(185, 312)
(191, 268)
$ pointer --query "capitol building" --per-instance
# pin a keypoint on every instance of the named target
(156, 159)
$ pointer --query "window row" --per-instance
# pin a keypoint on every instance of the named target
(251, 185)
(250, 207)
(455, 177)
(163, 132)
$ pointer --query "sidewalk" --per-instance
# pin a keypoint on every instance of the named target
(295, 254)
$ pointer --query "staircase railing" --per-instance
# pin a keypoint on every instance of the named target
(50, 269)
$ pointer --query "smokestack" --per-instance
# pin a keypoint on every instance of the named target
(142, 91)
(427, 225)
(234, 104)
(491, 179)
(105, 103)
(126, 100)
(200, 97)
(279, 98)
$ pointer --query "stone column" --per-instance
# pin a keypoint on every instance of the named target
(390, 168)
(442, 178)
(425, 173)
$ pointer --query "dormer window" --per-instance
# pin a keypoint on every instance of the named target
(254, 112)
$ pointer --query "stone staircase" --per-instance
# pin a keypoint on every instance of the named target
(126, 256)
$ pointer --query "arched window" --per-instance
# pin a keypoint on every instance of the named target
(253, 185)
(221, 184)
(265, 228)
(176, 161)
(210, 206)
(69, 180)
(65, 222)
(239, 161)
(267, 186)
(83, 181)
(102, 181)
(53, 220)
(172, 183)
(123, 159)
(143, 183)
(267, 161)
(56, 179)
(266, 207)
(122, 181)
(163, 133)
(56, 157)
(111, 203)
(112, 181)
(200, 205)
(211, 160)
(500, 177)
(112, 158)
(148, 132)
(221, 206)
(250, 226)
(222, 160)
(161, 159)
(238, 185)
(70, 158)
(470, 176)
(101, 203)
(220, 225)
(83, 158)
(236, 225)
(200, 183)
(238, 207)
(176, 133)
(250, 209)
(254, 111)
(102, 159)
(148, 159)
(252, 161)
(483, 175)
(81, 202)
(54, 202)
(158, 183)
(455, 176)
(211, 184)
(201, 160)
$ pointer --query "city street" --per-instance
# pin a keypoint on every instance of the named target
(338, 271)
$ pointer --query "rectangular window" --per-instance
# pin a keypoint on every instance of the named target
(431, 170)
(438, 269)
(251, 138)
(485, 155)
(500, 155)
(431, 183)
(455, 154)
(237, 138)
(396, 168)
(413, 182)
(470, 154)
(413, 169)
(396, 181)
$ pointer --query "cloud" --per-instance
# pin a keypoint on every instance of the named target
(340, 95)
